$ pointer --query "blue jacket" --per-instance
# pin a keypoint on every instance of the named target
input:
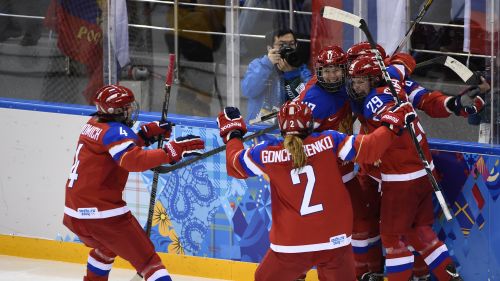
(263, 85)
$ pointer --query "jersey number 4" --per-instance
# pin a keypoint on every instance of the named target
(306, 208)
(73, 176)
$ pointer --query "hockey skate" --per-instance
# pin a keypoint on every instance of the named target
(372, 276)
(452, 271)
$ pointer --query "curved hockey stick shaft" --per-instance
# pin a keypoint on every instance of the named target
(356, 21)
(168, 169)
(409, 32)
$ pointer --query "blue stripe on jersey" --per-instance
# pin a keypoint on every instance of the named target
(126, 146)
(244, 165)
(374, 102)
(118, 132)
(325, 104)
(123, 136)
(254, 155)
(395, 73)
(414, 91)
(347, 150)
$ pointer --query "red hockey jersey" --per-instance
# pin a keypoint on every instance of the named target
(105, 154)
(401, 161)
(311, 208)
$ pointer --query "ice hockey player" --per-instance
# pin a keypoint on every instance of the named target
(106, 152)
(331, 110)
(406, 204)
(311, 208)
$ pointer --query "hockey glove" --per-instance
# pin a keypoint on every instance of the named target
(182, 147)
(151, 132)
(397, 118)
(403, 59)
(467, 103)
(231, 124)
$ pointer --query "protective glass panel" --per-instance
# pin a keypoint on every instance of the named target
(61, 51)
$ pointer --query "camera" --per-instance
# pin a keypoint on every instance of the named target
(290, 55)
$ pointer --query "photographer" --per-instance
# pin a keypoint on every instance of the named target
(276, 77)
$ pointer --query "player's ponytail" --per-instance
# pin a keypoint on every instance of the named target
(294, 145)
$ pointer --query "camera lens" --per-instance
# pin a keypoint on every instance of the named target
(290, 55)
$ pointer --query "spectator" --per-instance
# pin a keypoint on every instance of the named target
(276, 77)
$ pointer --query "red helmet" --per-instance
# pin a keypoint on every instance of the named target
(295, 118)
(363, 48)
(116, 103)
(364, 66)
(331, 56)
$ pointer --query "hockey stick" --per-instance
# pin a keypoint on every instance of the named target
(356, 21)
(164, 110)
(154, 185)
(263, 118)
(401, 43)
(409, 32)
(469, 77)
(168, 169)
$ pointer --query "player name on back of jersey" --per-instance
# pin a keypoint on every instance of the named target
(271, 156)
(90, 131)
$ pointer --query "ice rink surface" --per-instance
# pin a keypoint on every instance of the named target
(23, 269)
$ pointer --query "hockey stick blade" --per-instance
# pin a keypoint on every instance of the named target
(335, 14)
(346, 17)
(168, 169)
(469, 77)
(263, 118)
(461, 70)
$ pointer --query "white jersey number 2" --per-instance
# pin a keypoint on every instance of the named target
(306, 208)
(73, 176)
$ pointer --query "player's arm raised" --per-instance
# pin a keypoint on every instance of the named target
(370, 148)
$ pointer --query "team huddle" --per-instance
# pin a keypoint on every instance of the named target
(324, 213)
(390, 198)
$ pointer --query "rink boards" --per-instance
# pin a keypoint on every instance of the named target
(212, 225)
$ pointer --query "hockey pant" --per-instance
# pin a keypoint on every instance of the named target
(366, 243)
(123, 236)
(406, 219)
(332, 265)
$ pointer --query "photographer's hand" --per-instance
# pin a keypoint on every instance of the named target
(274, 56)
(284, 66)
